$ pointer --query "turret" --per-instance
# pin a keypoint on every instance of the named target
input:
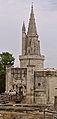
(33, 47)
(23, 39)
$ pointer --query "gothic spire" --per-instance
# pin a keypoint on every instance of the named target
(32, 25)
(23, 27)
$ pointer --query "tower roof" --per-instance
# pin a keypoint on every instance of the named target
(32, 25)
(23, 27)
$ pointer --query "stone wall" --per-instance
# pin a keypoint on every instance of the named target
(45, 86)
(52, 89)
(36, 60)
(15, 78)
(41, 88)
(15, 115)
(37, 86)
(8, 79)
(30, 84)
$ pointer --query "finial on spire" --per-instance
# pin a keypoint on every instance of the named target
(32, 4)
(32, 8)
(23, 27)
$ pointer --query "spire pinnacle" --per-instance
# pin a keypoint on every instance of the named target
(23, 27)
(32, 5)
(32, 25)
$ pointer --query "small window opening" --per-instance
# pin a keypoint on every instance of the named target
(39, 84)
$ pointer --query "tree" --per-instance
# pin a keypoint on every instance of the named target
(5, 59)
(2, 75)
(2, 72)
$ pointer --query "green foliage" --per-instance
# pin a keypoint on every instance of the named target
(2, 72)
(5, 59)
(2, 75)
(2, 85)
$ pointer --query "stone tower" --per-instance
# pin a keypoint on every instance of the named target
(31, 46)
(38, 85)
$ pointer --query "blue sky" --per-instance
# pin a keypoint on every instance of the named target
(12, 14)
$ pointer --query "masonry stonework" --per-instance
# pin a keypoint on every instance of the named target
(38, 85)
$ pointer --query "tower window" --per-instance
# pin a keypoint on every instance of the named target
(39, 84)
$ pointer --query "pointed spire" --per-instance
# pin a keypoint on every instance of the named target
(23, 27)
(32, 25)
